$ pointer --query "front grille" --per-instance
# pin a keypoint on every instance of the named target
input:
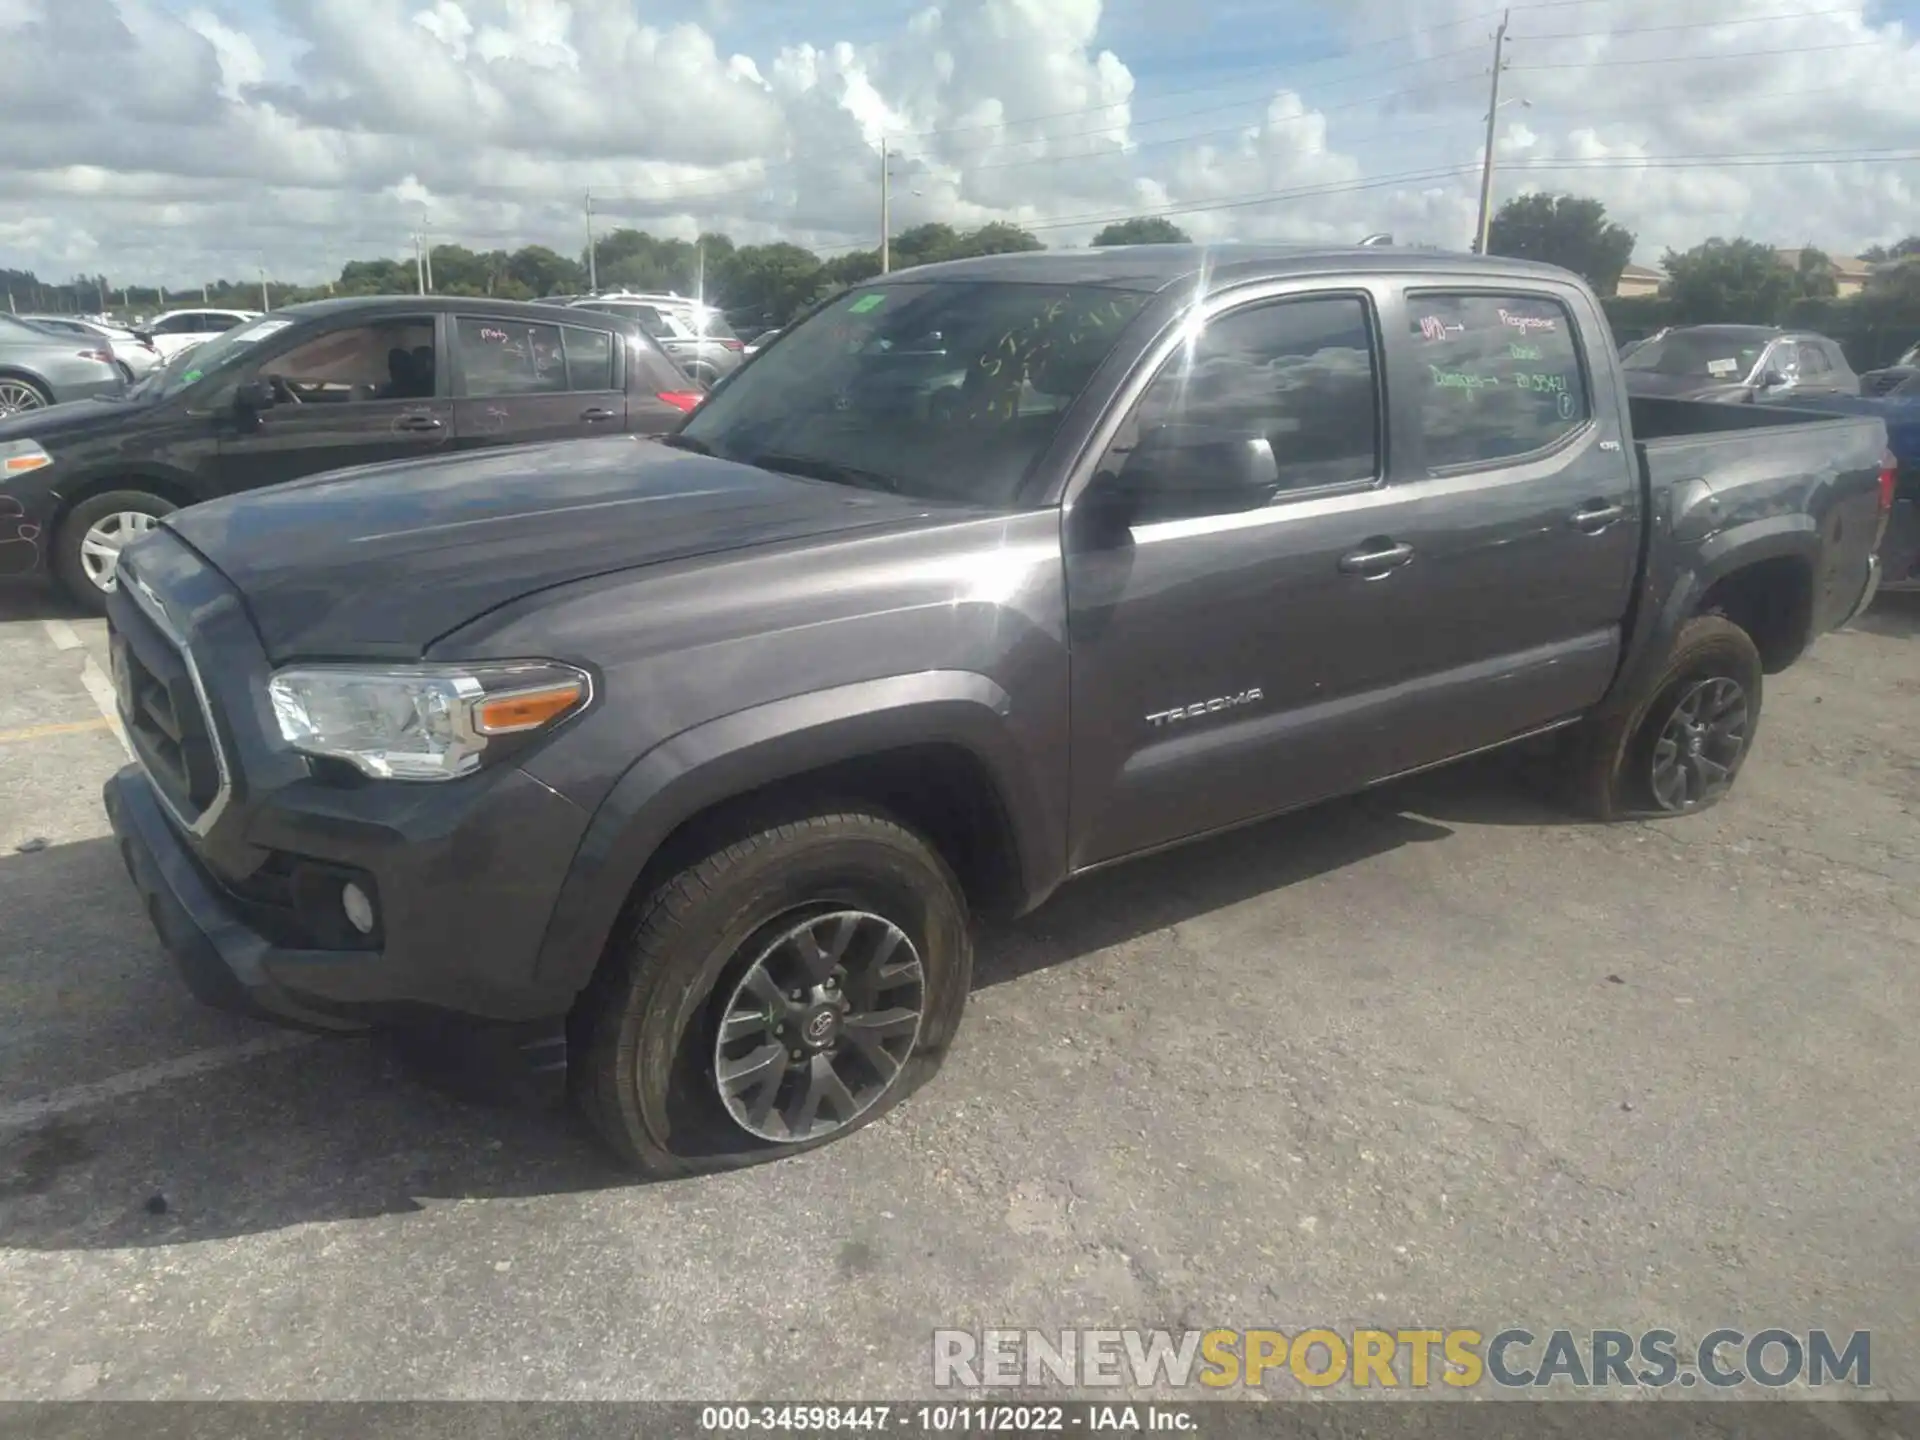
(169, 728)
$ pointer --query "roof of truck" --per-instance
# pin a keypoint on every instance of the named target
(1158, 267)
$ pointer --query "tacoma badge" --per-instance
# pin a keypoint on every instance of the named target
(1205, 707)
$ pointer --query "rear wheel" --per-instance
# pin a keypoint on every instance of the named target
(779, 992)
(1681, 750)
(18, 395)
(87, 551)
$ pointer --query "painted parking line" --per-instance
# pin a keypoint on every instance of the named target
(69, 727)
(147, 1077)
(101, 689)
(62, 634)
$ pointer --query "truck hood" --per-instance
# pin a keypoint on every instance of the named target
(382, 560)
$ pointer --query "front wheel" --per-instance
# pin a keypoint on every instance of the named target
(86, 553)
(1681, 750)
(782, 991)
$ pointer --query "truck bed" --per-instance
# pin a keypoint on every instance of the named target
(1711, 468)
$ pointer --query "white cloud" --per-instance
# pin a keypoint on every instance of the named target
(168, 146)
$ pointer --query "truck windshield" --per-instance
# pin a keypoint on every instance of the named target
(941, 390)
(1708, 356)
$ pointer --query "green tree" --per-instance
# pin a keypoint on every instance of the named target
(1815, 275)
(998, 238)
(1143, 230)
(1739, 281)
(854, 268)
(541, 271)
(1899, 250)
(1570, 231)
(767, 284)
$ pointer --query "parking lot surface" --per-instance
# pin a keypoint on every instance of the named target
(1436, 1056)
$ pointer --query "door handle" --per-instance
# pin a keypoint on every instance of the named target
(419, 422)
(1597, 516)
(1376, 562)
(595, 413)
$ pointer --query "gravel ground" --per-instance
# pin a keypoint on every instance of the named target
(1436, 1056)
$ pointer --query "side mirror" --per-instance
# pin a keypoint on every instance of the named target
(1178, 470)
(1772, 380)
(255, 395)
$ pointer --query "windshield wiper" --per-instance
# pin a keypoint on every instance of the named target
(813, 467)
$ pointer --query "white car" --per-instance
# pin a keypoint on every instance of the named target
(179, 330)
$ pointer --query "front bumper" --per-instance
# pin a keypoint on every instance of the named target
(224, 963)
(232, 967)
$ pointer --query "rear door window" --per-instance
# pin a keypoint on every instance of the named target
(589, 358)
(502, 358)
(1499, 376)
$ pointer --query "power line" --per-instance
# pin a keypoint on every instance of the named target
(1698, 59)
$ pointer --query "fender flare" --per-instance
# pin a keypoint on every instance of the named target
(1720, 555)
(741, 752)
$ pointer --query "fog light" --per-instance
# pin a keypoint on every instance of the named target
(359, 907)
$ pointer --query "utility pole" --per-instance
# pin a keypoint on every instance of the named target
(266, 303)
(886, 207)
(1493, 111)
(419, 263)
(206, 293)
(593, 270)
(426, 246)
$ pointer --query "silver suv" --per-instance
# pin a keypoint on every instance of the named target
(695, 335)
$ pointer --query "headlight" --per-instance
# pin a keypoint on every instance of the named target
(17, 457)
(420, 722)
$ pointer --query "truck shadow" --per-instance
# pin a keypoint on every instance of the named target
(334, 1129)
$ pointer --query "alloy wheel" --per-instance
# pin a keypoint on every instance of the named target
(820, 1026)
(17, 395)
(1700, 746)
(100, 547)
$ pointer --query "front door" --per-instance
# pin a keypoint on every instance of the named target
(1215, 638)
(517, 380)
(352, 395)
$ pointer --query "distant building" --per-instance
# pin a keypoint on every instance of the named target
(1638, 280)
(1849, 272)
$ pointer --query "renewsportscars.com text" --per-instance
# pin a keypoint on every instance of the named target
(1416, 1359)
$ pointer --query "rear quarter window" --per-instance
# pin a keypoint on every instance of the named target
(1499, 376)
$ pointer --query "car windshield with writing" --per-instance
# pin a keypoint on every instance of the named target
(942, 389)
(1703, 354)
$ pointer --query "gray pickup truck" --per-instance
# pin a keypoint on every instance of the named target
(677, 768)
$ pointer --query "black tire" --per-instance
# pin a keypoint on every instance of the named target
(643, 1033)
(1611, 774)
(68, 565)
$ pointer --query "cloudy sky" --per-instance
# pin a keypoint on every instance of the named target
(172, 141)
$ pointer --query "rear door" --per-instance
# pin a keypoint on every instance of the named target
(518, 380)
(347, 394)
(1524, 511)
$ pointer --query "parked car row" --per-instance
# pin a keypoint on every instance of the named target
(313, 387)
(40, 367)
(1757, 364)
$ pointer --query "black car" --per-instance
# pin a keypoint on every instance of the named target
(315, 387)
